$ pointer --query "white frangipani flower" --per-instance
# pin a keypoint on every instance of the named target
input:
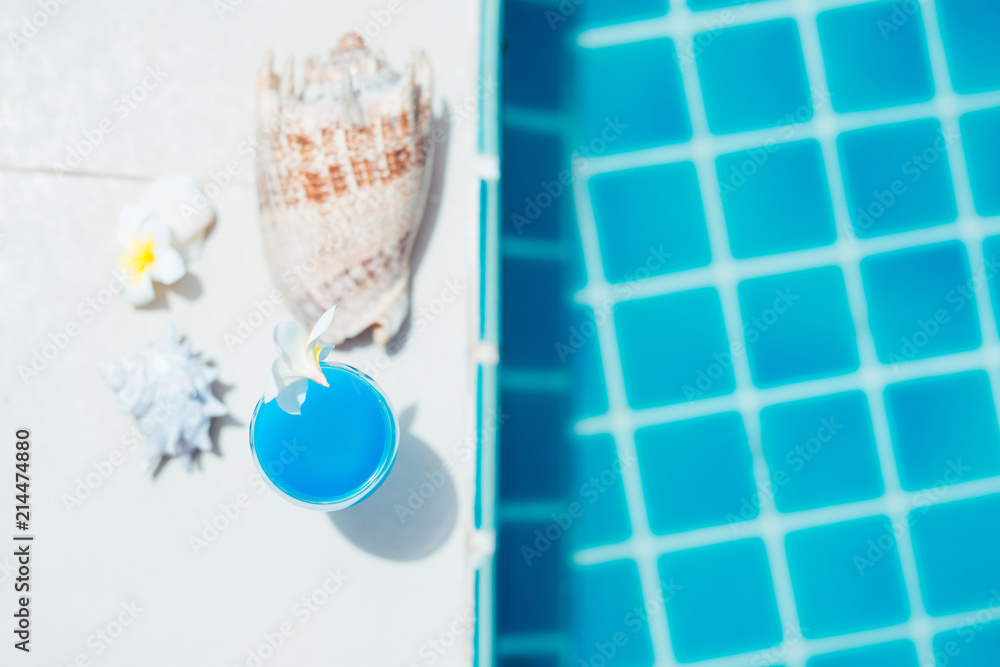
(297, 363)
(148, 254)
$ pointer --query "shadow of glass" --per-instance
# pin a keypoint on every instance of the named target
(414, 511)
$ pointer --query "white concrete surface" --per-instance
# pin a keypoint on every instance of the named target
(406, 591)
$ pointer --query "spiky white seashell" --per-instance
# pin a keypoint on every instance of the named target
(169, 390)
(343, 172)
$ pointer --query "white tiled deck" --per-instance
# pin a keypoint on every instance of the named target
(406, 594)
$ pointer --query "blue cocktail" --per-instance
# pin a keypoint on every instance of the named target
(337, 451)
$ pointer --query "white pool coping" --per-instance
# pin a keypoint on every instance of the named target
(393, 592)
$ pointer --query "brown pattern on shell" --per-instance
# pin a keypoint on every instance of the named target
(343, 171)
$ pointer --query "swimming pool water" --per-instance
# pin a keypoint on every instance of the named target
(749, 346)
(784, 205)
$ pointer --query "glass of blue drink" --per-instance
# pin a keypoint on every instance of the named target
(337, 451)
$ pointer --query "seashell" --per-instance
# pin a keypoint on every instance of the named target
(343, 172)
(168, 389)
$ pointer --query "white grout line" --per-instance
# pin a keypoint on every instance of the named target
(894, 498)
(884, 375)
(971, 230)
(781, 133)
(687, 22)
(642, 552)
(680, 20)
(794, 521)
(798, 260)
(51, 171)
(746, 399)
(856, 640)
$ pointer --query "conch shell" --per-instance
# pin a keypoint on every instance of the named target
(343, 171)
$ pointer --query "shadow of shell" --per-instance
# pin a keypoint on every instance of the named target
(343, 173)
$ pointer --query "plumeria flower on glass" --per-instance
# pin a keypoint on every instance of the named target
(297, 363)
(149, 255)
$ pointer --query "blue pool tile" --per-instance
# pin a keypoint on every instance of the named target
(529, 579)
(980, 138)
(874, 60)
(969, 29)
(894, 654)
(596, 511)
(921, 302)
(776, 199)
(897, 177)
(990, 271)
(674, 348)
(532, 445)
(956, 546)
(944, 429)
(846, 577)
(723, 601)
(976, 645)
(650, 221)
(610, 616)
(534, 660)
(533, 306)
(797, 326)
(630, 97)
(753, 77)
(716, 4)
(595, 13)
(531, 57)
(821, 451)
(696, 473)
(582, 352)
(535, 191)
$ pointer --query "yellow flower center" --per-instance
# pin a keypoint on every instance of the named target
(138, 257)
